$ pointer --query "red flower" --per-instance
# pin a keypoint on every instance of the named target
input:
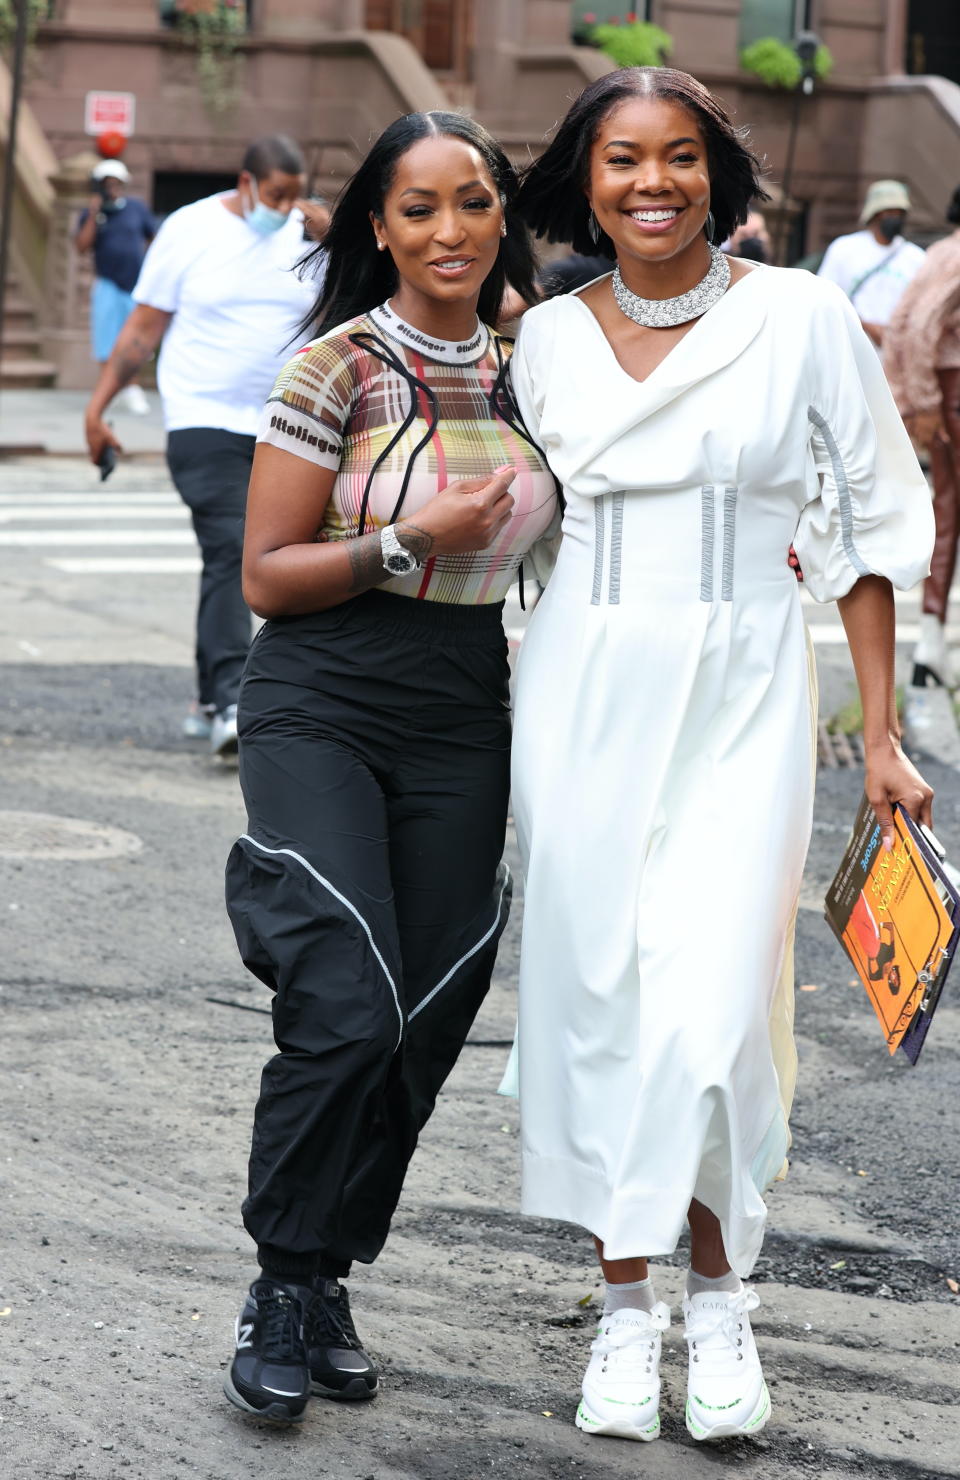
(589, 18)
(631, 17)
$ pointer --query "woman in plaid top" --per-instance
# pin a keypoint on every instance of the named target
(368, 891)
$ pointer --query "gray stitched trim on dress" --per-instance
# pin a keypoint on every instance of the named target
(843, 491)
(729, 536)
(707, 519)
(616, 549)
(597, 551)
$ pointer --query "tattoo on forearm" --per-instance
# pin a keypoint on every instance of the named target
(415, 539)
(366, 563)
(131, 357)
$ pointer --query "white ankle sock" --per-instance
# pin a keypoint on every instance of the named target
(637, 1295)
(699, 1284)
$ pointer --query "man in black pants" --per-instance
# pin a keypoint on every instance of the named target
(217, 288)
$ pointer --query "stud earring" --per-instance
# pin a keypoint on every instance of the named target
(503, 228)
(710, 225)
(593, 227)
(381, 246)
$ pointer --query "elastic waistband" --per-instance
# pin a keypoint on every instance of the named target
(424, 621)
(406, 611)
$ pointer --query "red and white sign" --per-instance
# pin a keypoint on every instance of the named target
(109, 112)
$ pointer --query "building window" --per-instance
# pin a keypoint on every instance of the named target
(169, 10)
(933, 39)
(441, 30)
(779, 18)
(587, 13)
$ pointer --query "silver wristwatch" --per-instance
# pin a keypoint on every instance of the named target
(397, 560)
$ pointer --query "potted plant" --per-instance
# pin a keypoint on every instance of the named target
(632, 43)
(779, 65)
(213, 28)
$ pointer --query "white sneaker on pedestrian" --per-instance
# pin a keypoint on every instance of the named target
(621, 1386)
(135, 400)
(198, 721)
(931, 657)
(726, 1393)
(223, 731)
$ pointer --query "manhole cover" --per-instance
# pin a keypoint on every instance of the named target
(40, 835)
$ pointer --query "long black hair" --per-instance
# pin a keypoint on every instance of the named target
(551, 198)
(953, 209)
(358, 276)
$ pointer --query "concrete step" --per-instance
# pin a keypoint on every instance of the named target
(20, 343)
(18, 312)
(26, 374)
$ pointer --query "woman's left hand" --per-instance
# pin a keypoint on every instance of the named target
(890, 777)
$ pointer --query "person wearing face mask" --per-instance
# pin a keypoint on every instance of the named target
(874, 265)
(217, 288)
(118, 228)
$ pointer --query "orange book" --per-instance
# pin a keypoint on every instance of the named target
(894, 919)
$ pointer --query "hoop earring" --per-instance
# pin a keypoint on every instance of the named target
(710, 225)
(593, 228)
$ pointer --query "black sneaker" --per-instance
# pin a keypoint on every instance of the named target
(339, 1366)
(268, 1375)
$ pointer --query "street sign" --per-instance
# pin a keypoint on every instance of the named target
(109, 112)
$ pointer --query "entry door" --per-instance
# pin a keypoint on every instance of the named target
(441, 30)
(933, 38)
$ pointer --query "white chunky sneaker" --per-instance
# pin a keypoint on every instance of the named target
(621, 1386)
(223, 731)
(726, 1393)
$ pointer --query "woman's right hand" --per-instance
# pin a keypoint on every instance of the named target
(466, 516)
(99, 436)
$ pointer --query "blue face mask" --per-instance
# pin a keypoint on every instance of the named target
(263, 219)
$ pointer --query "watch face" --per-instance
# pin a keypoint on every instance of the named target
(400, 565)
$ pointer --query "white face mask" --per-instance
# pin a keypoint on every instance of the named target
(263, 219)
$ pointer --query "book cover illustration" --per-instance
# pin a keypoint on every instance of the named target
(893, 913)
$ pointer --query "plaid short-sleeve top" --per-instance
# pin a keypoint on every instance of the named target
(399, 415)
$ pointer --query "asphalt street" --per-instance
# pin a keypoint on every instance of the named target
(133, 1043)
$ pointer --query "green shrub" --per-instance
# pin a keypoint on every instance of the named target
(778, 65)
(637, 44)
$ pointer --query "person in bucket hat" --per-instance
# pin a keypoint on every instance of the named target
(874, 265)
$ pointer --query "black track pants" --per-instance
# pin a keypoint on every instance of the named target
(368, 893)
(211, 470)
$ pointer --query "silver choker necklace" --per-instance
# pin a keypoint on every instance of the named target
(664, 313)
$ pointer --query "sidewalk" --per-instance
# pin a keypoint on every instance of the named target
(51, 421)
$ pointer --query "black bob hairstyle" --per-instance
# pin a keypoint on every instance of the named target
(953, 209)
(551, 198)
(358, 276)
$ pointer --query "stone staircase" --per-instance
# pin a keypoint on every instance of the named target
(21, 365)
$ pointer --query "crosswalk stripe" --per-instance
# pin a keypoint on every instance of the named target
(92, 511)
(98, 496)
(160, 565)
(97, 537)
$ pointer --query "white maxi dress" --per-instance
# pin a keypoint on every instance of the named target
(663, 764)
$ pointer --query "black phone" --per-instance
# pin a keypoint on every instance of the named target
(106, 462)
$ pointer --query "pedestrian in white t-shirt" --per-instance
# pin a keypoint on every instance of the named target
(218, 287)
(873, 266)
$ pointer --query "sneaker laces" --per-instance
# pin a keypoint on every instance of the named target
(280, 1320)
(330, 1324)
(713, 1335)
(631, 1344)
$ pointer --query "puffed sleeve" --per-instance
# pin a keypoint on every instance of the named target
(869, 510)
(541, 558)
(309, 406)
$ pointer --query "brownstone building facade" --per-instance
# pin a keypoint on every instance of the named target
(332, 73)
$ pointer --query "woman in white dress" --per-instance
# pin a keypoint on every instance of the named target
(702, 414)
